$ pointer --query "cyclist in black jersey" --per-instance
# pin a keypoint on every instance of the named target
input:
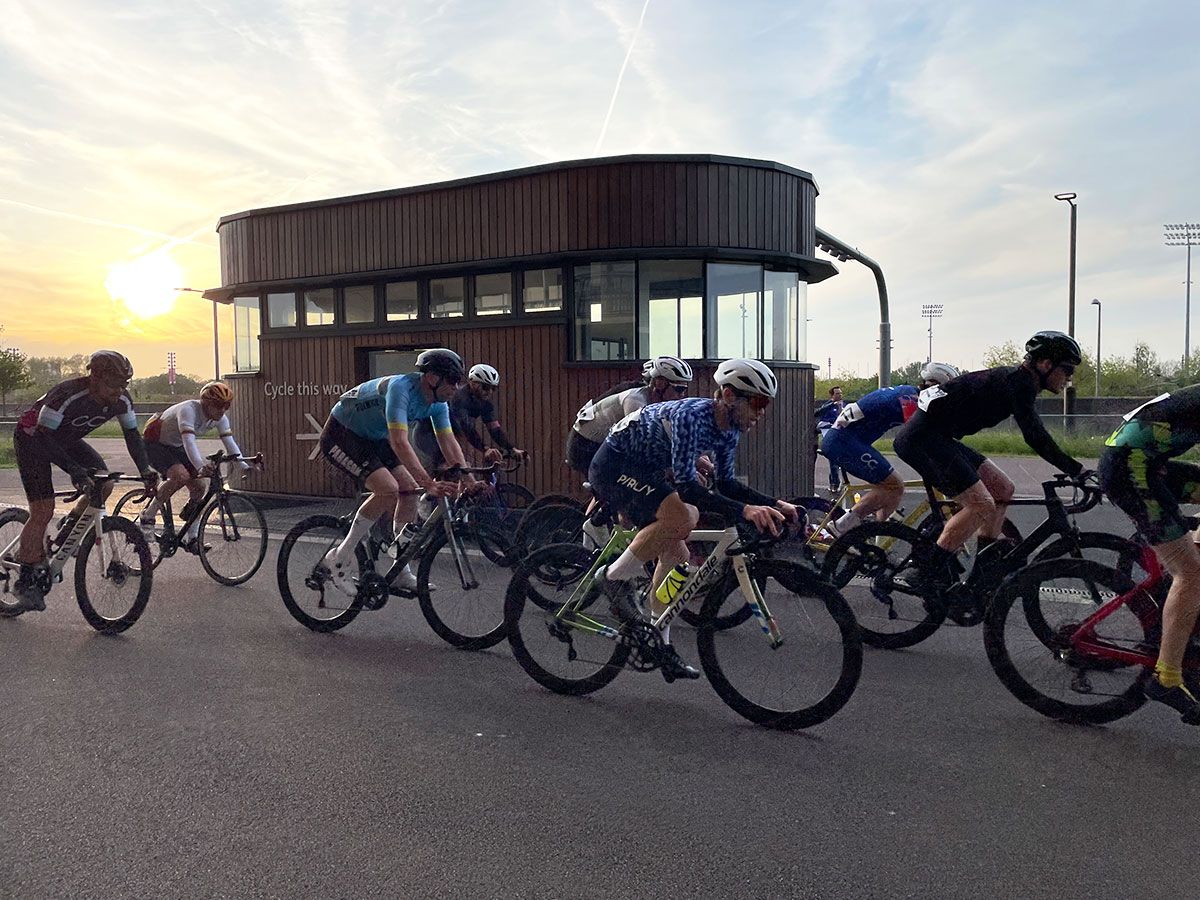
(1140, 474)
(929, 442)
(470, 402)
(52, 431)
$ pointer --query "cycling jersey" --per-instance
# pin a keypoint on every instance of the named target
(179, 425)
(386, 404)
(465, 408)
(596, 417)
(1166, 426)
(70, 412)
(978, 400)
(878, 412)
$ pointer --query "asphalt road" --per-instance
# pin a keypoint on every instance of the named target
(220, 749)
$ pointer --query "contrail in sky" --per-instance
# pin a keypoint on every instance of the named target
(620, 75)
(145, 232)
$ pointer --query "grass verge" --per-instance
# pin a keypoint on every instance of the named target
(1008, 443)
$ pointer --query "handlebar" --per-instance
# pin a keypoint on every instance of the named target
(752, 539)
(222, 457)
(453, 472)
(1091, 495)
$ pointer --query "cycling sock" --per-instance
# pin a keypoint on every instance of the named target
(594, 533)
(192, 531)
(848, 521)
(358, 530)
(1168, 676)
(625, 568)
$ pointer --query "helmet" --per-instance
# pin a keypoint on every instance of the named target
(441, 361)
(1055, 346)
(110, 366)
(484, 374)
(217, 392)
(748, 376)
(939, 373)
(669, 367)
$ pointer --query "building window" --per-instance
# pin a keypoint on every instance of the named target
(281, 310)
(401, 301)
(604, 307)
(446, 298)
(784, 296)
(319, 306)
(246, 327)
(543, 290)
(670, 308)
(493, 294)
(358, 301)
(733, 303)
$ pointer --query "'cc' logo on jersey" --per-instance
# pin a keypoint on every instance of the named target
(88, 421)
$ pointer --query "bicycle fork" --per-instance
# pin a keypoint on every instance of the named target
(757, 603)
(466, 575)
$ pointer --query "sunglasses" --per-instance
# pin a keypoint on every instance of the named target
(757, 402)
(1067, 369)
(680, 389)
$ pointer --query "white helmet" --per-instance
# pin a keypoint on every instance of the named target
(484, 374)
(938, 373)
(748, 376)
(671, 368)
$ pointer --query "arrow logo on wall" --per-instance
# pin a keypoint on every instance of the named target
(315, 435)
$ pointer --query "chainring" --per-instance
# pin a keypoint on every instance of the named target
(373, 589)
(645, 645)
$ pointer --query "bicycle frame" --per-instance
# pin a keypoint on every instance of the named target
(172, 536)
(819, 538)
(442, 518)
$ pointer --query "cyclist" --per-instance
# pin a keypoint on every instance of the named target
(171, 446)
(470, 402)
(52, 431)
(930, 443)
(628, 472)
(366, 434)
(663, 378)
(1139, 474)
(847, 443)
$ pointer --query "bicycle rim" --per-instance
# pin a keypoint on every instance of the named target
(113, 587)
(306, 587)
(232, 538)
(464, 606)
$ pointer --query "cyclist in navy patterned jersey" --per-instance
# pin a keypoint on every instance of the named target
(51, 432)
(629, 473)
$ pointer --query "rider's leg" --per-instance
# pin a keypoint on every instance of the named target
(33, 534)
(1001, 488)
(405, 511)
(976, 509)
(1181, 558)
(881, 501)
(384, 489)
(673, 522)
(177, 477)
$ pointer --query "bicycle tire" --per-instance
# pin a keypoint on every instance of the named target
(131, 504)
(306, 534)
(9, 605)
(1128, 554)
(801, 604)
(232, 527)
(461, 617)
(555, 500)
(1024, 596)
(554, 523)
(854, 554)
(129, 557)
(539, 587)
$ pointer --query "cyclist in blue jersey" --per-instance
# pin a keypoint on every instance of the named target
(367, 435)
(629, 473)
(847, 443)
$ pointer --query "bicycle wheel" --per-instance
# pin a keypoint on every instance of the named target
(800, 682)
(1109, 550)
(1027, 634)
(305, 586)
(554, 500)
(113, 588)
(555, 523)
(868, 564)
(233, 538)
(465, 609)
(11, 522)
(577, 652)
(131, 504)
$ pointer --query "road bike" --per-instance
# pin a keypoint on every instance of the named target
(231, 540)
(792, 663)
(113, 575)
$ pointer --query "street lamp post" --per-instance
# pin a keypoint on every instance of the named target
(1187, 235)
(1099, 309)
(931, 311)
(1069, 393)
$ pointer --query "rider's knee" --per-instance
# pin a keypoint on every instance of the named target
(1181, 558)
(979, 504)
(677, 519)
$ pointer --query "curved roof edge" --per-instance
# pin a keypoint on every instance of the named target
(528, 170)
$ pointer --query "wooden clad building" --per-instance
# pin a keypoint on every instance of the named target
(564, 277)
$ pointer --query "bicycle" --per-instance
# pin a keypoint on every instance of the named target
(872, 560)
(112, 591)
(1086, 639)
(444, 545)
(232, 538)
(564, 636)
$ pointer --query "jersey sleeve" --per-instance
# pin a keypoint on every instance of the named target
(50, 416)
(633, 400)
(724, 461)
(186, 419)
(439, 414)
(225, 432)
(395, 405)
(126, 416)
(1036, 435)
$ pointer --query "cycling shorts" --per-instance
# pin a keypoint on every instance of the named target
(948, 464)
(846, 451)
(1149, 491)
(164, 456)
(354, 454)
(33, 462)
(580, 451)
(627, 487)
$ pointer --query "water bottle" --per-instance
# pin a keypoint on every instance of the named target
(670, 586)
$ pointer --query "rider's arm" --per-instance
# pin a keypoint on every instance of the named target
(133, 438)
(187, 433)
(225, 432)
(439, 416)
(1042, 443)
(395, 410)
(685, 447)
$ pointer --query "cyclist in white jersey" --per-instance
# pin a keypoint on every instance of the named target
(170, 438)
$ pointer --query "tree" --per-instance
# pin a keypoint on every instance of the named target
(14, 372)
(1006, 354)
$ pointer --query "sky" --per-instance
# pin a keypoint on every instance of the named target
(937, 132)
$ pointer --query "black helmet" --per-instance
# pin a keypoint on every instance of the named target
(110, 366)
(1055, 346)
(441, 361)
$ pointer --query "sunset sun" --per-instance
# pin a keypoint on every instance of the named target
(147, 285)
